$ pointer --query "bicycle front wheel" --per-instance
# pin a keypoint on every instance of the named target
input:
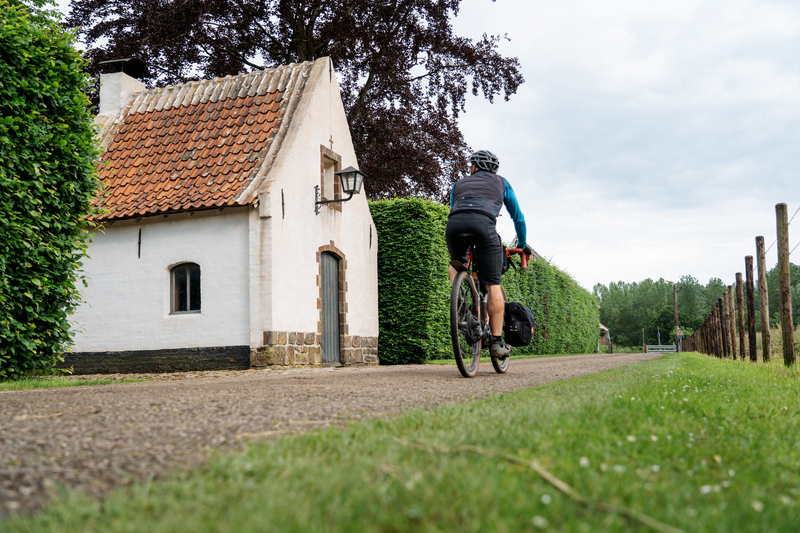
(465, 327)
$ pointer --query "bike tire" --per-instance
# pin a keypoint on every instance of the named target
(501, 365)
(463, 317)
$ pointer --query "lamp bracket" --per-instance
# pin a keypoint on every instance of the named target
(319, 202)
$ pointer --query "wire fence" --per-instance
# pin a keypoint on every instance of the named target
(790, 223)
(725, 334)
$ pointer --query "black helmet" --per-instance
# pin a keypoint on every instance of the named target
(485, 160)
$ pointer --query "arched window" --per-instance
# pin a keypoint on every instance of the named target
(185, 285)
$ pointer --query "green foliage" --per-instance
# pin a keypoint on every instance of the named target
(566, 315)
(772, 293)
(414, 291)
(52, 382)
(629, 308)
(47, 182)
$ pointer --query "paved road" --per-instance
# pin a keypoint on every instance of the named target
(97, 438)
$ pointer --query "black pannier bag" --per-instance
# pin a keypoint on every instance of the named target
(518, 324)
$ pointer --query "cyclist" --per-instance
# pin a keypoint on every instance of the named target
(475, 202)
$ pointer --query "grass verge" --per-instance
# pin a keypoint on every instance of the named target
(55, 381)
(690, 441)
(487, 359)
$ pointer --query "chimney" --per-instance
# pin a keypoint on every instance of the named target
(118, 84)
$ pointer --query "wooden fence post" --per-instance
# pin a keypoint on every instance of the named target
(785, 290)
(740, 313)
(732, 320)
(722, 328)
(763, 300)
(718, 329)
(751, 308)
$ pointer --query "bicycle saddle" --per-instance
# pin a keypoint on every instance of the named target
(467, 238)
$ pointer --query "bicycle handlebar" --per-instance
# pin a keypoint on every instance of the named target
(521, 253)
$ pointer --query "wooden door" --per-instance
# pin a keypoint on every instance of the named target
(329, 283)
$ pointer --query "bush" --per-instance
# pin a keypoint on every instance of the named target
(567, 316)
(47, 183)
(413, 288)
(414, 291)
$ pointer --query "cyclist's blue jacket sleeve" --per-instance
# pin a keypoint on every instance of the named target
(512, 206)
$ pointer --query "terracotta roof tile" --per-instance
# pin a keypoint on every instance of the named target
(196, 145)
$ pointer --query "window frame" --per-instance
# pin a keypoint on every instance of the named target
(188, 266)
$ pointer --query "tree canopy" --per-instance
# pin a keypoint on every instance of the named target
(47, 183)
(629, 308)
(404, 73)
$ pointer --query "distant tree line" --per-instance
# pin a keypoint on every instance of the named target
(628, 309)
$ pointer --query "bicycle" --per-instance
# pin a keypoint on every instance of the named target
(469, 314)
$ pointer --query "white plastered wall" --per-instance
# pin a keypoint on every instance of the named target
(292, 234)
(126, 304)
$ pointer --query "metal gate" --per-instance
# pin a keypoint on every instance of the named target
(329, 284)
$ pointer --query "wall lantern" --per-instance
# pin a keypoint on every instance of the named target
(351, 180)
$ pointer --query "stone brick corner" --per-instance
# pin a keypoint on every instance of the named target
(296, 349)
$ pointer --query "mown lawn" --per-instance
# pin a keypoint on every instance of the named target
(695, 443)
(47, 382)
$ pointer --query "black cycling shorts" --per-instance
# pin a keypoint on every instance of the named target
(489, 249)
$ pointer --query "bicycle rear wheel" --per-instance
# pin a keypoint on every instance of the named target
(501, 365)
(465, 325)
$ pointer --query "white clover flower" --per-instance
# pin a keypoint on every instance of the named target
(654, 438)
(584, 462)
(619, 468)
(705, 489)
(603, 467)
(656, 468)
(757, 506)
(631, 438)
(546, 499)
(540, 522)
(731, 473)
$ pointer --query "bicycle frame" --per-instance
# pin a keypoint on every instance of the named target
(480, 287)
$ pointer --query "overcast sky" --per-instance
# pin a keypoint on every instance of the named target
(650, 139)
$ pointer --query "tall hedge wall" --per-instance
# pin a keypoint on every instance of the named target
(566, 314)
(47, 182)
(414, 292)
(413, 289)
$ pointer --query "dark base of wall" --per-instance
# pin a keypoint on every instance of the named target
(177, 360)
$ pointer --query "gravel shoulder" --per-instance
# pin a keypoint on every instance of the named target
(96, 438)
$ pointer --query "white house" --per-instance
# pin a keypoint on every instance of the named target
(210, 252)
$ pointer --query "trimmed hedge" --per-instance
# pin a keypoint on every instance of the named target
(566, 314)
(47, 183)
(414, 291)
